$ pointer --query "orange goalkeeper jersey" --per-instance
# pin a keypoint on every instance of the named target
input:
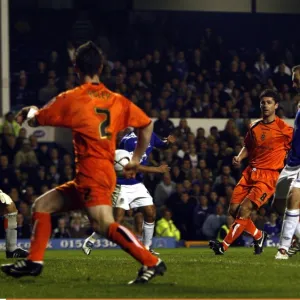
(95, 114)
(268, 144)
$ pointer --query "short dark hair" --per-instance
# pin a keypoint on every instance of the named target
(296, 68)
(88, 59)
(270, 93)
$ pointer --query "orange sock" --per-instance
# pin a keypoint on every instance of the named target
(41, 232)
(128, 242)
(235, 231)
(252, 230)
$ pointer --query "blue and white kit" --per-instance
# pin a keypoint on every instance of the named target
(290, 175)
(132, 193)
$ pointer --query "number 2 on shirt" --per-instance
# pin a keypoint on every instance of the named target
(104, 123)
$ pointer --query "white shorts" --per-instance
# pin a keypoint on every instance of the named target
(288, 178)
(131, 196)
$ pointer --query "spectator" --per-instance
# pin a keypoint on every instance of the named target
(261, 218)
(43, 155)
(163, 191)
(24, 209)
(23, 230)
(186, 167)
(201, 211)
(289, 106)
(163, 127)
(67, 175)
(54, 63)
(180, 66)
(177, 175)
(194, 176)
(53, 175)
(40, 75)
(15, 196)
(21, 94)
(21, 137)
(183, 130)
(165, 226)
(29, 195)
(61, 231)
(156, 68)
(229, 134)
(226, 170)
(284, 67)
(41, 179)
(197, 109)
(77, 227)
(174, 198)
(184, 151)
(272, 227)
(10, 147)
(67, 161)
(26, 156)
(48, 92)
(10, 122)
(7, 176)
(281, 78)
(214, 158)
(183, 215)
(54, 157)
(33, 142)
(262, 69)
(213, 222)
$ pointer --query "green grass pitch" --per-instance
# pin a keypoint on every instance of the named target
(192, 273)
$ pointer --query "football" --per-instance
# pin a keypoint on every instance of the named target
(122, 158)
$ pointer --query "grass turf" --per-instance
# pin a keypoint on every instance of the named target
(192, 273)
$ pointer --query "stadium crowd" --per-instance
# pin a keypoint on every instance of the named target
(210, 81)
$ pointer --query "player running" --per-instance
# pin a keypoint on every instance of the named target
(95, 115)
(132, 193)
(287, 193)
(266, 145)
(9, 211)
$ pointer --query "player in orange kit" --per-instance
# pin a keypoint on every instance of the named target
(266, 146)
(95, 115)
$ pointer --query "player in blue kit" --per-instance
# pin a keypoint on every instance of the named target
(288, 188)
(132, 193)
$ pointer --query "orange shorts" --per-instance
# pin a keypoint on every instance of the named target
(257, 185)
(85, 196)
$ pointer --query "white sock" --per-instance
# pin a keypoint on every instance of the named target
(95, 236)
(148, 230)
(289, 225)
(38, 262)
(297, 232)
(10, 225)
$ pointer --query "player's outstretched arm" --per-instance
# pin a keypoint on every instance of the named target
(242, 155)
(144, 137)
(27, 113)
(165, 142)
(149, 169)
(171, 139)
(130, 172)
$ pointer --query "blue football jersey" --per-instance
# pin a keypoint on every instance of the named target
(294, 154)
(128, 143)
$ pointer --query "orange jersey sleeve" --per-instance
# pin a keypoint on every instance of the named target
(133, 115)
(268, 144)
(57, 112)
